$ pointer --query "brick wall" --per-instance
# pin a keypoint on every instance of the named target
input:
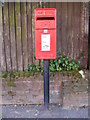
(30, 90)
(66, 90)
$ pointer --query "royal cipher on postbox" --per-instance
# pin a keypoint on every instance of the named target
(45, 33)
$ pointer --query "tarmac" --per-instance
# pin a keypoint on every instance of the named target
(39, 111)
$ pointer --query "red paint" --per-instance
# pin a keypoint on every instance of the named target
(45, 28)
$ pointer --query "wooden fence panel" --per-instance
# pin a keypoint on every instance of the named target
(12, 36)
(18, 33)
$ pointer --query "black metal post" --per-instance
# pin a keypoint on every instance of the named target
(46, 82)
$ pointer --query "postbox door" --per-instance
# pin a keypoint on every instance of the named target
(45, 44)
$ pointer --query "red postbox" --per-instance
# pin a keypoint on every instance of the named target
(45, 33)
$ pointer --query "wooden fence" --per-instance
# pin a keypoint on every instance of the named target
(17, 26)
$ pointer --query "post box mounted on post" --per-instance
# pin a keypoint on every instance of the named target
(45, 42)
(45, 33)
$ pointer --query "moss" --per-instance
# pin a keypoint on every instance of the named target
(17, 74)
(12, 75)
(76, 74)
(11, 83)
(27, 74)
(73, 73)
(5, 75)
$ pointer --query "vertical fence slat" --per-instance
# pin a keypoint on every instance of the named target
(3, 60)
(57, 25)
(18, 36)
(60, 30)
(29, 33)
(34, 5)
(59, 38)
(76, 30)
(81, 31)
(6, 37)
(80, 22)
(85, 40)
(70, 31)
(80, 40)
(2, 55)
(24, 34)
(64, 29)
(75, 43)
(1, 36)
(12, 36)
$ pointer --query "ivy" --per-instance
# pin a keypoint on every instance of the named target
(57, 65)
(33, 68)
(63, 63)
